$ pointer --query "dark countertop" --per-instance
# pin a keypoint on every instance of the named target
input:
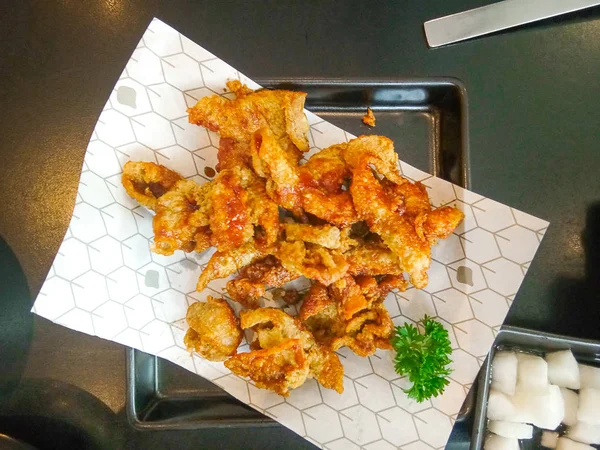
(533, 116)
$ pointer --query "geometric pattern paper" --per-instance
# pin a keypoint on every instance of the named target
(106, 282)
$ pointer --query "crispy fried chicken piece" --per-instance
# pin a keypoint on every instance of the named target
(438, 224)
(351, 313)
(271, 160)
(279, 368)
(401, 215)
(372, 259)
(288, 354)
(326, 236)
(239, 204)
(397, 231)
(312, 261)
(236, 121)
(214, 332)
(316, 187)
(367, 331)
(238, 88)
(181, 220)
(379, 151)
(223, 264)
(254, 278)
(182, 207)
(147, 181)
(369, 118)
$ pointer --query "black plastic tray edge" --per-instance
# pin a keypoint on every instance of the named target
(562, 343)
(137, 423)
(131, 409)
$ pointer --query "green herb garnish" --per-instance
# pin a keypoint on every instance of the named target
(423, 357)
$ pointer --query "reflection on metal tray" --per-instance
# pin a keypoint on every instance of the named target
(585, 351)
(426, 119)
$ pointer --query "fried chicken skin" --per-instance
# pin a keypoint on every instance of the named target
(438, 224)
(369, 118)
(237, 120)
(372, 259)
(287, 355)
(253, 280)
(223, 264)
(351, 313)
(214, 332)
(147, 181)
(326, 236)
(397, 231)
(239, 205)
(181, 220)
(315, 187)
(312, 261)
(279, 368)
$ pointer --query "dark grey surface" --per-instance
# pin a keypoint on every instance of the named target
(534, 107)
(527, 341)
(426, 119)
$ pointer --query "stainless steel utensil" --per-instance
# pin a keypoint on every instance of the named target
(496, 17)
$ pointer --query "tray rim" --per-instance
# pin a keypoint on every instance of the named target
(133, 419)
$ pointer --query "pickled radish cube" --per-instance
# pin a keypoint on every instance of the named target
(589, 406)
(567, 444)
(571, 400)
(504, 372)
(495, 442)
(544, 409)
(511, 429)
(500, 406)
(563, 369)
(589, 376)
(532, 372)
(549, 439)
(584, 432)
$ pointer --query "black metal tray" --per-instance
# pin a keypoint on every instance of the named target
(585, 351)
(426, 119)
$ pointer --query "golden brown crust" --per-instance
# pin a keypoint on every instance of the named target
(254, 278)
(312, 261)
(351, 313)
(181, 218)
(147, 181)
(223, 264)
(287, 354)
(237, 120)
(369, 118)
(439, 223)
(278, 368)
(214, 331)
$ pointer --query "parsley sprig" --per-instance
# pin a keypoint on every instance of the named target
(423, 357)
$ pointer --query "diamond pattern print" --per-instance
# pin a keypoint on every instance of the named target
(105, 281)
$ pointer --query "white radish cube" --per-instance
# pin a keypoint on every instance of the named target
(532, 372)
(571, 400)
(563, 370)
(544, 409)
(589, 376)
(567, 444)
(504, 372)
(584, 432)
(549, 439)
(500, 406)
(589, 406)
(511, 429)
(494, 442)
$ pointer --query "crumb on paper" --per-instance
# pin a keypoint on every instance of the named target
(369, 118)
